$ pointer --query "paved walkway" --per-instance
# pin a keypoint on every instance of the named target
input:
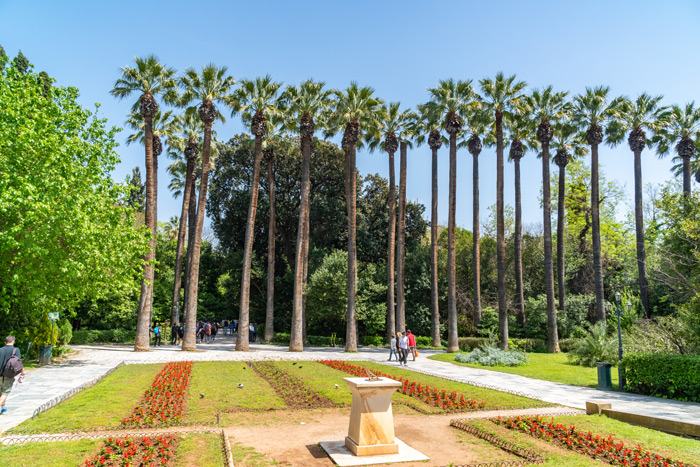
(92, 361)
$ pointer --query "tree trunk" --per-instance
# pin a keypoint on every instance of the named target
(192, 284)
(518, 244)
(244, 315)
(296, 341)
(476, 248)
(143, 322)
(391, 249)
(595, 221)
(500, 238)
(561, 240)
(552, 331)
(639, 224)
(306, 272)
(452, 337)
(351, 184)
(434, 305)
(686, 176)
(175, 310)
(191, 231)
(270, 312)
(401, 243)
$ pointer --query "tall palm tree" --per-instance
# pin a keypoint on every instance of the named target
(683, 130)
(590, 110)
(353, 109)
(548, 107)
(644, 114)
(427, 126)
(201, 93)
(305, 107)
(256, 100)
(453, 98)
(501, 95)
(569, 143)
(150, 79)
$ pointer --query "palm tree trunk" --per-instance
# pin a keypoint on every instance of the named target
(296, 341)
(175, 310)
(401, 243)
(191, 229)
(452, 336)
(686, 176)
(351, 183)
(500, 238)
(518, 243)
(192, 283)
(552, 331)
(244, 314)
(143, 322)
(270, 312)
(434, 306)
(595, 221)
(561, 241)
(476, 248)
(391, 249)
(306, 273)
(639, 224)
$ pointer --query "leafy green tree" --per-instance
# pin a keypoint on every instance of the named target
(136, 199)
(3, 59)
(21, 63)
(45, 81)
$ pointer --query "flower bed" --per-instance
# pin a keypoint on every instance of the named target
(435, 397)
(292, 390)
(597, 447)
(163, 403)
(132, 452)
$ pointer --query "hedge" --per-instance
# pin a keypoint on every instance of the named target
(96, 336)
(669, 376)
(467, 344)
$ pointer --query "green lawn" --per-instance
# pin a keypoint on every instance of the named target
(64, 454)
(546, 366)
(104, 404)
(202, 450)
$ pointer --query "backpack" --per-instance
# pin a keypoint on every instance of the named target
(207, 328)
(13, 367)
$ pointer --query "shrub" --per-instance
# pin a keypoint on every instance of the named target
(96, 336)
(528, 345)
(323, 341)
(424, 341)
(374, 341)
(566, 345)
(467, 344)
(672, 376)
(597, 346)
(489, 322)
(492, 356)
(65, 333)
(281, 338)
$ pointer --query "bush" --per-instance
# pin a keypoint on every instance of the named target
(281, 338)
(596, 347)
(492, 356)
(96, 336)
(374, 341)
(424, 341)
(489, 322)
(528, 345)
(467, 344)
(324, 341)
(567, 345)
(672, 376)
(65, 333)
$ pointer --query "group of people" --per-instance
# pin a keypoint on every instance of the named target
(206, 331)
(401, 345)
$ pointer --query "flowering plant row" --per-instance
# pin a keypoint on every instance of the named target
(134, 452)
(163, 402)
(597, 447)
(435, 397)
(292, 390)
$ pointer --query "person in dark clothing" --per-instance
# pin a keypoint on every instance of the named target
(6, 383)
(174, 334)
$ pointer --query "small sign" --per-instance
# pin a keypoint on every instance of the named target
(53, 315)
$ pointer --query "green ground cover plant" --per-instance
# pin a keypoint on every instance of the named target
(104, 404)
(63, 454)
(202, 450)
(548, 367)
(492, 356)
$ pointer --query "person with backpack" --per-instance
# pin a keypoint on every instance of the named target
(156, 335)
(174, 334)
(11, 365)
(207, 331)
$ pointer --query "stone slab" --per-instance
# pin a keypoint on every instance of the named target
(371, 450)
(342, 456)
(597, 407)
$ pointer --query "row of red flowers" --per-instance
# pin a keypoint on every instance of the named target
(164, 401)
(597, 447)
(435, 397)
(134, 452)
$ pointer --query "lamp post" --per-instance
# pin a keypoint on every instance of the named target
(620, 372)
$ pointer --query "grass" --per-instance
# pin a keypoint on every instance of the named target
(65, 454)
(202, 450)
(104, 404)
(545, 366)
(244, 455)
(219, 381)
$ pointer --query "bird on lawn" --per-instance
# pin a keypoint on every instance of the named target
(300, 367)
(336, 386)
(294, 363)
(244, 368)
(240, 385)
(201, 395)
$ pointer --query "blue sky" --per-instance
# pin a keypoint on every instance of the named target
(398, 47)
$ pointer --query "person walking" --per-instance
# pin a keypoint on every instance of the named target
(392, 349)
(8, 374)
(232, 327)
(411, 344)
(174, 334)
(214, 330)
(156, 335)
(403, 347)
(207, 331)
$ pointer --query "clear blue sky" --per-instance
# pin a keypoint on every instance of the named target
(398, 47)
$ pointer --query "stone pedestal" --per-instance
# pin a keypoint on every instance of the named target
(371, 430)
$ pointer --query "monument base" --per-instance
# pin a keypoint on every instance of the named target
(343, 457)
(371, 450)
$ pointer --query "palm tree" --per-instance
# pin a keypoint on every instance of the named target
(256, 99)
(548, 107)
(305, 107)
(453, 98)
(150, 79)
(683, 130)
(201, 93)
(479, 122)
(568, 143)
(501, 95)
(591, 110)
(353, 109)
(639, 116)
(427, 126)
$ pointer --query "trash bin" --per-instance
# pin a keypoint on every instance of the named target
(604, 378)
(44, 354)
